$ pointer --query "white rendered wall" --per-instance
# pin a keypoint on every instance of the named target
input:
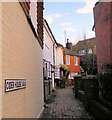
(0, 60)
(59, 58)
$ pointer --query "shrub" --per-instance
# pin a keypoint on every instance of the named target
(105, 88)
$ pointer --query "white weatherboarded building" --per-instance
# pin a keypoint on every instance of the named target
(49, 54)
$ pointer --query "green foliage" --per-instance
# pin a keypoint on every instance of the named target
(66, 73)
(105, 85)
(51, 98)
(89, 63)
(65, 69)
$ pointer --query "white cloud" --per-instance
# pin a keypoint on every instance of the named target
(61, 39)
(74, 38)
(70, 29)
(71, 38)
(90, 34)
(87, 34)
(66, 24)
(49, 19)
(80, 36)
(88, 8)
(57, 15)
(66, 13)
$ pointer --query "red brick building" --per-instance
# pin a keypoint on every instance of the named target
(103, 30)
(71, 60)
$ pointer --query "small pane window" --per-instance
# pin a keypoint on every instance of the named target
(75, 61)
(67, 59)
(90, 51)
(82, 52)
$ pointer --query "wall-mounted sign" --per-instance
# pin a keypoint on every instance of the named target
(14, 84)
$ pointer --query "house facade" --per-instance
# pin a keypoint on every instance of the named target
(21, 62)
(49, 59)
(59, 54)
(59, 60)
(86, 49)
(71, 60)
(103, 30)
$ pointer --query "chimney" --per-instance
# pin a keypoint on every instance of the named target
(67, 40)
(69, 45)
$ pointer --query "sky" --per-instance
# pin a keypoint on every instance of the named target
(74, 17)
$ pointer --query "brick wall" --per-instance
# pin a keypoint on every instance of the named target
(103, 23)
(40, 21)
(72, 67)
(111, 34)
(21, 58)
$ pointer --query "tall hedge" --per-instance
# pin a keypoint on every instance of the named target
(105, 87)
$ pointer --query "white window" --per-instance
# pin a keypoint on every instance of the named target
(49, 70)
(75, 61)
(67, 59)
(82, 52)
(57, 72)
(90, 51)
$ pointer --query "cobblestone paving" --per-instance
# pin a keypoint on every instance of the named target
(66, 106)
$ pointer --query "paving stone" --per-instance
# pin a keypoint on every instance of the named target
(66, 106)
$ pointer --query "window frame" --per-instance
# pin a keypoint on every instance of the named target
(75, 61)
(67, 61)
(90, 51)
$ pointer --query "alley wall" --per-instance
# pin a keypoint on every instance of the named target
(102, 17)
(0, 60)
(21, 59)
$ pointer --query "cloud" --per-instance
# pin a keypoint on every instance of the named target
(66, 24)
(49, 19)
(70, 29)
(88, 8)
(90, 34)
(57, 15)
(66, 13)
(72, 38)
(80, 36)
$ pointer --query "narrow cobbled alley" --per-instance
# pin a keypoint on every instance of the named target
(66, 105)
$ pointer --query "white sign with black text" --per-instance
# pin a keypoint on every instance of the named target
(14, 84)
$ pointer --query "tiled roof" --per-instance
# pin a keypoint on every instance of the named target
(60, 45)
(69, 52)
(85, 44)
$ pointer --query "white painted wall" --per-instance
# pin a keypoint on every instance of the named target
(48, 48)
(59, 54)
(48, 45)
